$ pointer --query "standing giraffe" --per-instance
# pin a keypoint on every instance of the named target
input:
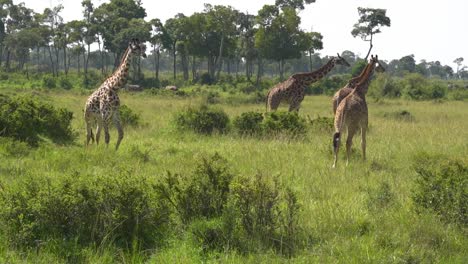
(293, 89)
(103, 105)
(343, 92)
(352, 114)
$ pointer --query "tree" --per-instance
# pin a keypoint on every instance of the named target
(296, 4)
(4, 10)
(173, 32)
(90, 30)
(113, 18)
(247, 42)
(369, 23)
(313, 42)
(459, 62)
(279, 37)
(407, 64)
(157, 32)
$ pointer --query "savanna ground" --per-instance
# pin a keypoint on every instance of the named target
(361, 213)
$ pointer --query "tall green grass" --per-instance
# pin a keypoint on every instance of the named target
(362, 213)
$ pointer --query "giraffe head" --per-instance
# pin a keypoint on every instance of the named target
(341, 61)
(137, 48)
(379, 68)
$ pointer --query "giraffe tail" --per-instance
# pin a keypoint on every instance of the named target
(339, 122)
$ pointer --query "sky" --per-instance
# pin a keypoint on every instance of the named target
(428, 29)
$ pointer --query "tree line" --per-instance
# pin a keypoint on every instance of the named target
(217, 39)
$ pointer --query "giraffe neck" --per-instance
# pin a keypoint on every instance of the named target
(314, 76)
(354, 81)
(361, 87)
(119, 77)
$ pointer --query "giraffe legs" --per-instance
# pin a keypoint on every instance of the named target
(98, 130)
(349, 142)
(89, 130)
(363, 142)
(273, 102)
(118, 125)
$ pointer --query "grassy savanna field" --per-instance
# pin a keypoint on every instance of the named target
(361, 213)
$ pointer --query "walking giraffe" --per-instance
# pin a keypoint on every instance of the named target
(352, 114)
(104, 103)
(343, 92)
(293, 89)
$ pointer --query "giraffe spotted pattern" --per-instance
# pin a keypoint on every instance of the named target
(292, 90)
(103, 105)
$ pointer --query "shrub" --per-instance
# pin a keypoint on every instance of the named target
(25, 119)
(284, 122)
(48, 81)
(91, 80)
(65, 83)
(400, 115)
(13, 148)
(205, 78)
(384, 86)
(120, 210)
(262, 213)
(325, 124)
(417, 87)
(204, 194)
(202, 120)
(128, 117)
(441, 187)
(212, 97)
(249, 123)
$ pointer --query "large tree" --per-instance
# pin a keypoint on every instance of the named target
(279, 37)
(459, 62)
(313, 42)
(371, 20)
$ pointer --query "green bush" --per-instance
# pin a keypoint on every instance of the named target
(204, 194)
(262, 214)
(399, 115)
(249, 123)
(417, 87)
(65, 83)
(284, 122)
(202, 120)
(384, 86)
(48, 81)
(128, 117)
(109, 209)
(325, 124)
(12, 148)
(442, 187)
(205, 78)
(26, 119)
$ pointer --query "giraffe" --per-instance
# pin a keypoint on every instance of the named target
(343, 92)
(293, 89)
(104, 103)
(352, 114)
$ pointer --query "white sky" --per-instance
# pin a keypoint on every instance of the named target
(429, 29)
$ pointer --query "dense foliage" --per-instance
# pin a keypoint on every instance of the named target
(27, 119)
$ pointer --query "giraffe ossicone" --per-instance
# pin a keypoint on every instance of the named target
(103, 106)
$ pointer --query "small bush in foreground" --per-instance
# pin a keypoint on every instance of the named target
(128, 117)
(400, 115)
(325, 124)
(203, 120)
(280, 122)
(249, 123)
(204, 194)
(26, 119)
(442, 187)
(120, 210)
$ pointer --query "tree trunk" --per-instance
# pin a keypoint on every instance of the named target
(102, 56)
(370, 47)
(65, 60)
(219, 60)
(7, 61)
(174, 61)
(194, 69)
(1, 54)
(85, 66)
(79, 65)
(51, 61)
(310, 60)
(259, 70)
